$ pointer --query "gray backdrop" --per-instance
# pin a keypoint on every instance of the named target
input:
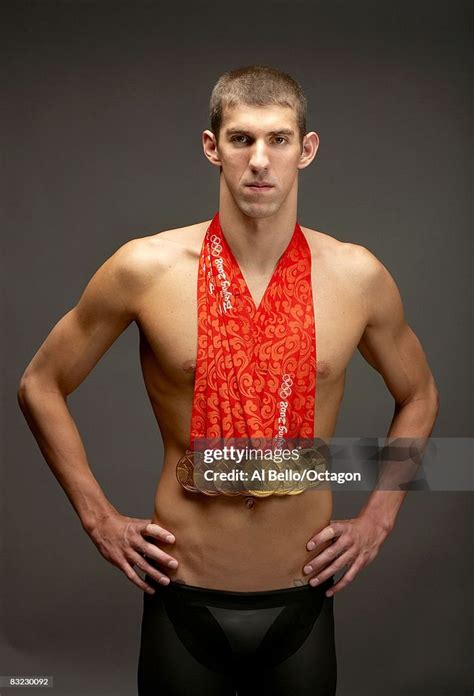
(103, 106)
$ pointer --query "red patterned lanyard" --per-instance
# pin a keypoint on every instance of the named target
(256, 367)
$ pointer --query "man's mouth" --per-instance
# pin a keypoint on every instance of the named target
(258, 186)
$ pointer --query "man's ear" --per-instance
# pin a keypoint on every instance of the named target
(309, 149)
(209, 145)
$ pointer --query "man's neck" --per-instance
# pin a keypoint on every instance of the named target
(257, 243)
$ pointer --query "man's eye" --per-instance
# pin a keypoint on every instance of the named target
(281, 138)
(239, 138)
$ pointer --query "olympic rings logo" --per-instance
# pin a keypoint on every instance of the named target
(216, 246)
(285, 389)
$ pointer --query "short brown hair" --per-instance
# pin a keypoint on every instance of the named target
(257, 85)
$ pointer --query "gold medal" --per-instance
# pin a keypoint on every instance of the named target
(287, 484)
(259, 486)
(184, 471)
(277, 485)
(312, 459)
(225, 485)
(205, 484)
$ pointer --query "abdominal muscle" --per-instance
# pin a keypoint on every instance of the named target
(231, 543)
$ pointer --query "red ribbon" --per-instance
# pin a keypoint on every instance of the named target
(256, 367)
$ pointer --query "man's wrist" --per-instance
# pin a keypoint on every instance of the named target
(382, 508)
(92, 518)
(379, 519)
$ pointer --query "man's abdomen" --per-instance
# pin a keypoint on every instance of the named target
(239, 543)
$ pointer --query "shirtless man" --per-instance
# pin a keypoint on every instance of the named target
(242, 549)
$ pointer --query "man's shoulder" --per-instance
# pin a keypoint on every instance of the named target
(350, 258)
(167, 242)
(139, 259)
(180, 239)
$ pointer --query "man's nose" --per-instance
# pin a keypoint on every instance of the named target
(259, 157)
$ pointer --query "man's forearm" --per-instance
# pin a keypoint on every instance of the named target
(56, 433)
(413, 421)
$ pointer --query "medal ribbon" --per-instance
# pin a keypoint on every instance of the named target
(256, 367)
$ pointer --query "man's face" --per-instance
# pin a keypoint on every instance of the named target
(260, 153)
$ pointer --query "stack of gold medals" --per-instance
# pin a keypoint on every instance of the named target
(207, 471)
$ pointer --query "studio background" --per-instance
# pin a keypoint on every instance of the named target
(103, 106)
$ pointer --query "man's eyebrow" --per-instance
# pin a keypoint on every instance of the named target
(244, 131)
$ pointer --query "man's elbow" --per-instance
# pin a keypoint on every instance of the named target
(432, 394)
(431, 398)
(24, 390)
(436, 399)
(29, 387)
(426, 396)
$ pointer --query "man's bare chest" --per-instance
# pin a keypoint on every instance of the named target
(169, 328)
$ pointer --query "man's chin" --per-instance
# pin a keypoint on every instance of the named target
(258, 210)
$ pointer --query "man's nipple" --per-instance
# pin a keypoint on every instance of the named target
(323, 369)
(189, 366)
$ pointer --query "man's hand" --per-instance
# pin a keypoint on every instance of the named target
(356, 543)
(121, 541)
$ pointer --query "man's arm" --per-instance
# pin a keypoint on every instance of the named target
(393, 349)
(74, 346)
(63, 361)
